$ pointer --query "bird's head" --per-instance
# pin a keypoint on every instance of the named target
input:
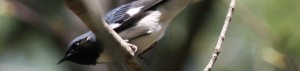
(83, 50)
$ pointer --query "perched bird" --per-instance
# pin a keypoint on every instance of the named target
(138, 22)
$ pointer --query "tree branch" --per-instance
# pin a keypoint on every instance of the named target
(90, 13)
(221, 37)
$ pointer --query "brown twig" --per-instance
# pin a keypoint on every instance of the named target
(221, 37)
(90, 14)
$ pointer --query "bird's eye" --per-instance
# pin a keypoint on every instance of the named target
(69, 54)
(88, 38)
(77, 44)
(86, 41)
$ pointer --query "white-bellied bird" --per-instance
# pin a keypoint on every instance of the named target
(141, 22)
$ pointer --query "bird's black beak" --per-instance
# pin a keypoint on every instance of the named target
(62, 60)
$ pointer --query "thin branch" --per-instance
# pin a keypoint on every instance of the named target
(90, 14)
(221, 37)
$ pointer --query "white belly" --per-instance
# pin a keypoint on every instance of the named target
(150, 22)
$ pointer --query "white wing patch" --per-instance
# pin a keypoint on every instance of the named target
(133, 11)
(114, 25)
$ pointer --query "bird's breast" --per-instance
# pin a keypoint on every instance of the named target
(151, 23)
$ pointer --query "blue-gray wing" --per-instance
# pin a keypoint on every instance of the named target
(127, 11)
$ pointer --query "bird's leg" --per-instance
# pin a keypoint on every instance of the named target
(133, 47)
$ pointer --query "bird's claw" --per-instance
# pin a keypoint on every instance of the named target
(133, 47)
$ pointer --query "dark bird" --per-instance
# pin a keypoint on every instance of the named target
(137, 22)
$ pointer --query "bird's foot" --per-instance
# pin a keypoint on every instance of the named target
(133, 47)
